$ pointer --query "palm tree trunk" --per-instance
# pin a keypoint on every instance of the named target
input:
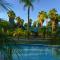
(28, 20)
(11, 21)
(41, 23)
(54, 27)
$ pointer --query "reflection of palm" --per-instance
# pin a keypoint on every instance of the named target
(57, 51)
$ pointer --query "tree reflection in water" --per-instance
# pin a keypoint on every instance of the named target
(57, 51)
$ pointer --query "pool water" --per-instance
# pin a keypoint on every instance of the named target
(34, 52)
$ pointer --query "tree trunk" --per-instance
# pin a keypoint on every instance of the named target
(41, 24)
(54, 26)
(28, 21)
(11, 21)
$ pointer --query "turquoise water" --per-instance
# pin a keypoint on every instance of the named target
(34, 52)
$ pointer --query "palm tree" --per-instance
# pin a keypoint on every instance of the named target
(20, 22)
(28, 4)
(54, 20)
(4, 26)
(11, 16)
(41, 17)
(18, 19)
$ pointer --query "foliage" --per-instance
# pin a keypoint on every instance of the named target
(42, 30)
(4, 24)
(18, 32)
(27, 3)
(10, 32)
(19, 21)
(11, 14)
(42, 15)
(52, 13)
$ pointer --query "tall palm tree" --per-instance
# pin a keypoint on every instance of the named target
(28, 4)
(11, 16)
(53, 16)
(41, 17)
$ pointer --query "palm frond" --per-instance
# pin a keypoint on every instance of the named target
(27, 3)
(4, 4)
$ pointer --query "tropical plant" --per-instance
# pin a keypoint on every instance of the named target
(28, 4)
(20, 22)
(18, 32)
(18, 19)
(10, 32)
(54, 20)
(4, 25)
(11, 16)
(42, 15)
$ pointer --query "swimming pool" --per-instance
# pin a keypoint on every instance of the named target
(35, 52)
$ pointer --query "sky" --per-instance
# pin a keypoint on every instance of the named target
(39, 5)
